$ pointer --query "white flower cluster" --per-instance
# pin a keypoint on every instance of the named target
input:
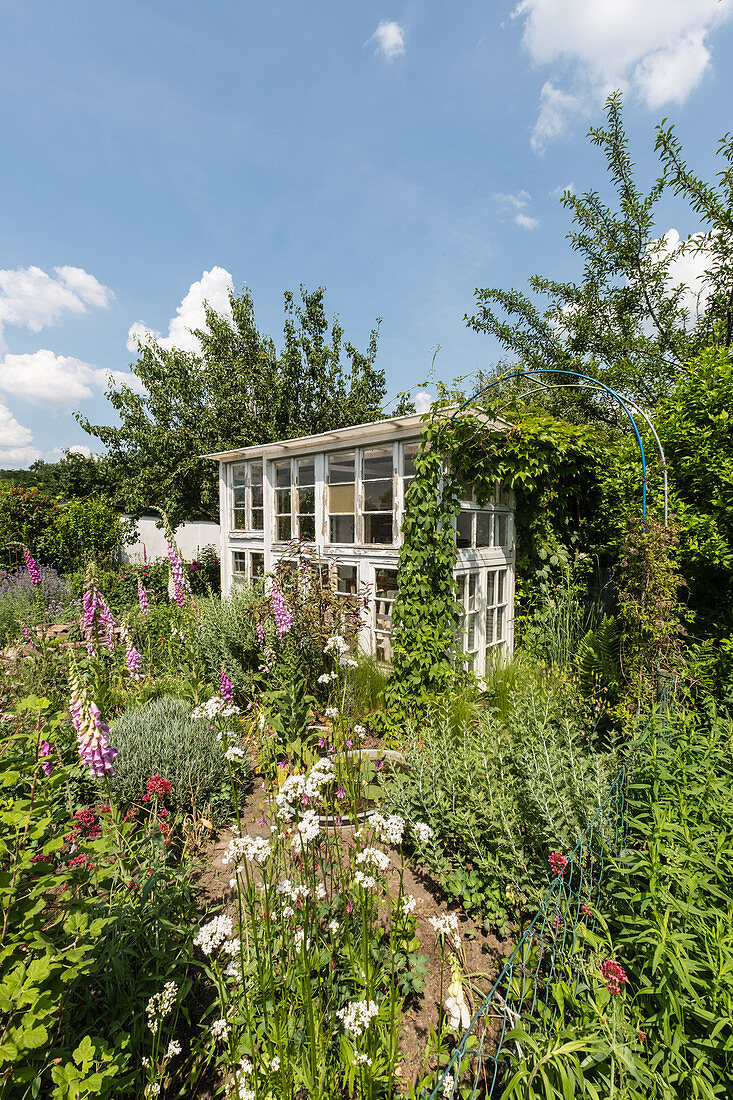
(359, 731)
(391, 829)
(301, 942)
(234, 970)
(286, 887)
(220, 1029)
(232, 947)
(374, 858)
(275, 1064)
(447, 926)
(336, 644)
(423, 831)
(212, 935)
(229, 734)
(448, 1084)
(357, 1016)
(331, 712)
(367, 882)
(160, 1004)
(234, 753)
(257, 848)
(408, 904)
(362, 1060)
(308, 829)
(174, 1047)
(327, 677)
(297, 787)
(348, 662)
(215, 708)
(333, 927)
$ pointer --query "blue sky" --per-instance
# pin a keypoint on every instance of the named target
(400, 154)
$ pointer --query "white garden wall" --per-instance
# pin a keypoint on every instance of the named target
(191, 539)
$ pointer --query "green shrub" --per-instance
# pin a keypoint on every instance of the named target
(227, 636)
(27, 516)
(161, 738)
(500, 795)
(88, 530)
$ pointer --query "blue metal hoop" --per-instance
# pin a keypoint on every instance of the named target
(587, 378)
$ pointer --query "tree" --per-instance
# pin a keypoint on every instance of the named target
(237, 392)
(627, 321)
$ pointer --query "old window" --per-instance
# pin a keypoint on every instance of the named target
(341, 497)
(247, 499)
(497, 594)
(283, 501)
(305, 477)
(378, 495)
(385, 592)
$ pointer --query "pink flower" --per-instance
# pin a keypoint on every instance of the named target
(33, 571)
(586, 910)
(260, 634)
(181, 587)
(97, 618)
(133, 660)
(283, 618)
(158, 785)
(92, 732)
(349, 907)
(341, 793)
(227, 688)
(142, 598)
(614, 976)
(557, 862)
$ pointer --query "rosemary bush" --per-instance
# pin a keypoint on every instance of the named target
(162, 738)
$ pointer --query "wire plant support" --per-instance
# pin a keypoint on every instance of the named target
(623, 402)
(523, 989)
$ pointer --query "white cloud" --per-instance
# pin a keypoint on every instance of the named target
(656, 49)
(688, 266)
(390, 39)
(16, 440)
(30, 298)
(81, 449)
(558, 192)
(556, 108)
(423, 401)
(526, 221)
(519, 200)
(213, 287)
(56, 381)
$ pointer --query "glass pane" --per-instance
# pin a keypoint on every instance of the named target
(340, 468)
(282, 502)
(378, 529)
(503, 496)
(383, 648)
(465, 492)
(346, 579)
(490, 632)
(257, 496)
(409, 451)
(306, 471)
(471, 632)
(383, 614)
(258, 519)
(342, 528)
(240, 519)
(239, 474)
(240, 562)
(378, 463)
(385, 583)
(483, 528)
(501, 530)
(472, 586)
(490, 588)
(461, 597)
(282, 474)
(307, 501)
(258, 565)
(500, 585)
(255, 474)
(239, 496)
(307, 526)
(500, 614)
(464, 523)
(283, 529)
(341, 499)
(378, 496)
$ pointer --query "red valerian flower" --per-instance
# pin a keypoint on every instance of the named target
(40, 858)
(613, 975)
(87, 823)
(157, 785)
(557, 862)
(130, 815)
(586, 910)
(83, 862)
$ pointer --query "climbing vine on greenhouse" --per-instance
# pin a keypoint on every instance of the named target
(555, 470)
